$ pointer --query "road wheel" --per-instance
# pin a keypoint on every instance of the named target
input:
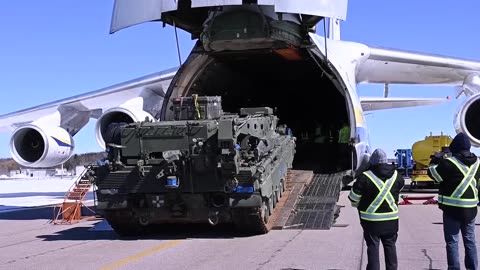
(265, 212)
(277, 194)
(271, 203)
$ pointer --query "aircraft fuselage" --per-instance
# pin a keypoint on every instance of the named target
(265, 61)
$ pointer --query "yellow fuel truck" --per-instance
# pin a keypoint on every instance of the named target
(421, 154)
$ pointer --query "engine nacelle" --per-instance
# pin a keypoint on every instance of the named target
(467, 119)
(117, 115)
(35, 146)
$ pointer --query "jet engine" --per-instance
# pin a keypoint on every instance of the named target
(36, 146)
(117, 115)
(467, 119)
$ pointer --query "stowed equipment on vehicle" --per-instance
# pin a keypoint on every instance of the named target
(204, 166)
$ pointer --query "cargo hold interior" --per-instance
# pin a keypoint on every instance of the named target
(302, 96)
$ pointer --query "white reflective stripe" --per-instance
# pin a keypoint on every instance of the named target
(436, 176)
(354, 196)
(378, 183)
(384, 193)
(392, 203)
(468, 179)
(390, 199)
(465, 203)
(379, 216)
(474, 188)
(462, 167)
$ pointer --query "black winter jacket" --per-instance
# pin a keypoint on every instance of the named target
(363, 186)
(452, 177)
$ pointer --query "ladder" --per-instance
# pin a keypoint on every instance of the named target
(69, 211)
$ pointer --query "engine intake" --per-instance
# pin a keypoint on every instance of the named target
(35, 146)
(467, 119)
(117, 115)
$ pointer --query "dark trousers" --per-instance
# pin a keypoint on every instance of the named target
(451, 231)
(389, 249)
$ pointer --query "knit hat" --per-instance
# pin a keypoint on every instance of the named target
(378, 157)
(460, 143)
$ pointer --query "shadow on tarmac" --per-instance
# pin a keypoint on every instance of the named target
(159, 232)
(8, 212)
(27, 213)
(32, 213)
(101, 230)
(54, 195)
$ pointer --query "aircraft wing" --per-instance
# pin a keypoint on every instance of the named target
(75, 110)
(42, 136)
(389, 66)
(404, 67)
(381, 103)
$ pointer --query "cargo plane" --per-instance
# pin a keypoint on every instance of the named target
(251, 53)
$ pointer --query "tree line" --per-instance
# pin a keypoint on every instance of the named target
(8, 164)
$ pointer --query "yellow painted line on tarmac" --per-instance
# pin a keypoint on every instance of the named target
(141, 255)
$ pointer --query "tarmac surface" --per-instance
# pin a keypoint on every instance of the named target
(29, 241)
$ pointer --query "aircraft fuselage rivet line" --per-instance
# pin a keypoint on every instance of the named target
(141, 255)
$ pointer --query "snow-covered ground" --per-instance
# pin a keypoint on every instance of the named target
(18, 193)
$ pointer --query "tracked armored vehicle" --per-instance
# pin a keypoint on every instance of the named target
(204, 166)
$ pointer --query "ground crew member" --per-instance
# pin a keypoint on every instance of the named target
(458, 197)
(375, 193)
(343, 149)
(344, 134)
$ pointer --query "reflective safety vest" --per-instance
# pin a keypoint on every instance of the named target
(468, 181)
(344, 134)
(384, 194)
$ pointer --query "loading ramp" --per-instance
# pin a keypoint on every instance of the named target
(311, 201)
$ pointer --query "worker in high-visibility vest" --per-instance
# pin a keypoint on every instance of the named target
(458, 177)
(344, 151)
(344, 134)
(375, 193)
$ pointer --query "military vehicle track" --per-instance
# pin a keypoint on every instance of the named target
(306, 201)
(124, 226)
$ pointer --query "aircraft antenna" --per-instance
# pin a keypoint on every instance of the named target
(178, 46)
(325, 36)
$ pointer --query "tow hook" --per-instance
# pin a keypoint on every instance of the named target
(213, 218)
(144, 220)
